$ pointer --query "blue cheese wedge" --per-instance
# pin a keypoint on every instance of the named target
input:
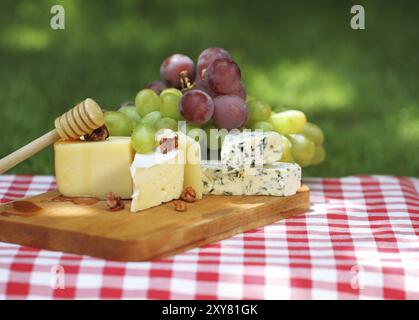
(275, 179)
(250, 149)
(216, 182)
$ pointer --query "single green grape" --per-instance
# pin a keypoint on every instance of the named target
(193, 131)
(147, 101)
(186, 127)
(303, 149)
(198, 134)
(131, 112)
(262, 125)
(319, 156)
(258, 111)
(288, 122)
(314, 133)
(286, 150)
(280, 123)
(151, 118)
(118, 124)
(190, 127)
(166, 123)
(298, 120)
(169, 106)
(143, 138)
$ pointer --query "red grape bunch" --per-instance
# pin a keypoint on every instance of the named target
(212, 90)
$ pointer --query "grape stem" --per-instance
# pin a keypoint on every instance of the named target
(203, 72)
(185, 82)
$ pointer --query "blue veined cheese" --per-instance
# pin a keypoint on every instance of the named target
(250, 149)
(216, 182)
(275, 179)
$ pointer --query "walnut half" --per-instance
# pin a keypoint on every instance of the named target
(180, 206)
(98, 134)
(168, 144)
(114, 203)
(188, 195)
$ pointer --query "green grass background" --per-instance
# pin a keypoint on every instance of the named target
(361, 87)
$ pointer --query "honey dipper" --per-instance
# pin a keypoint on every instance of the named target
(82, 119)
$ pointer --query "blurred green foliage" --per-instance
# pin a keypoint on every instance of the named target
(361, 87)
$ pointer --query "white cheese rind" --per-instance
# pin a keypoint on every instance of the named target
(250, 149)
(149, 160)
(276, 179)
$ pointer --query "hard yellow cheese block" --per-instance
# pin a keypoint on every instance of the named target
(192, 155)
(92, 169)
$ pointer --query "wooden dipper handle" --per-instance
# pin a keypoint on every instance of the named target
(82, 119)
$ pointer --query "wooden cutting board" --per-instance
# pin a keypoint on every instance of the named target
(89, 228)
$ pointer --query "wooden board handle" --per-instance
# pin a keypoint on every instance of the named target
(27, 151)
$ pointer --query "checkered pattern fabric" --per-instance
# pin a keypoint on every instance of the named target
(360, 240)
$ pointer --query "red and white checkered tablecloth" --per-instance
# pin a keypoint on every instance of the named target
(360, 240)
